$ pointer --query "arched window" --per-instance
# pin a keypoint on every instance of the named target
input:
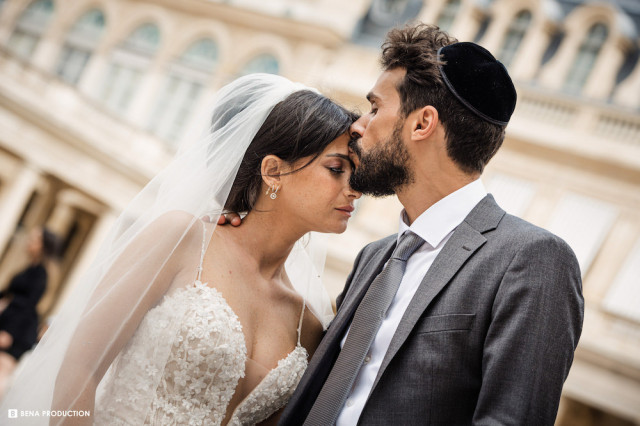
(186, 79)
(262, 63)
(586, 57)
(381, 16)
(514, 36)
(79, 44)
(31, 25)
(129, 61)
(448, 15)
(201, 55)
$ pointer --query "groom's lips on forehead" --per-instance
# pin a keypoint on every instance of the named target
(354, 150)
(353, 142)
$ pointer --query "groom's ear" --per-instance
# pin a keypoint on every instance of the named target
(425, 121)
(271, 168)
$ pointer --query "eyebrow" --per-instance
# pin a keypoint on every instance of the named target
(371, 97)
(346, 157)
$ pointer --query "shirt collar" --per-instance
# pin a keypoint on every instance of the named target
(434, 224)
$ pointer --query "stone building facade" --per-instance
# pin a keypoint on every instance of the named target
(95, 96)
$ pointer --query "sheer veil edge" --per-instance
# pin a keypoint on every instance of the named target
(132, 270)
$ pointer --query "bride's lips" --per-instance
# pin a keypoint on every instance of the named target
(346, 210)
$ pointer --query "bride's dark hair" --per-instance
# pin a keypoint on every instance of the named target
(302, 125)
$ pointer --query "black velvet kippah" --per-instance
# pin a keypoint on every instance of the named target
(479, 81)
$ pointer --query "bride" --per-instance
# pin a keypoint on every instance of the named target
(178, 324)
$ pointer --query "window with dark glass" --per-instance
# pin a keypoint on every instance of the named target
(448, 15)
(586, 58)
(129, 62)
(29, 29)
(79, 45)
(381, 16)
(183, 86)
(513, 38)
(264, 63)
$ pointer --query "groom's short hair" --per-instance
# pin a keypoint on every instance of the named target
(471, 141)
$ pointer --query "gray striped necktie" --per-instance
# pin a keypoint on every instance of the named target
(364, 327)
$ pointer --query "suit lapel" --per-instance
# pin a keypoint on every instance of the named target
(465, 241)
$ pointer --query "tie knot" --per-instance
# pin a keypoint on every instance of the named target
(409, 242)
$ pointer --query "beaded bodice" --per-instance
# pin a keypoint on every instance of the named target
(191, 379)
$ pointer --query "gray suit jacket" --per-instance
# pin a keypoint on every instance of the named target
(488, 338)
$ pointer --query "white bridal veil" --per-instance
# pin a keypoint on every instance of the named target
(129, 275)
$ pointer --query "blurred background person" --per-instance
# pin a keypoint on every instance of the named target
(18, 315)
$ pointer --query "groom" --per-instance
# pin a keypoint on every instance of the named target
(468, 315)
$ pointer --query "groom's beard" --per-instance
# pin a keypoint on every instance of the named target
(384, 169)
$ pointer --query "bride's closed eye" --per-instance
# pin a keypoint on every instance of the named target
(346, 164)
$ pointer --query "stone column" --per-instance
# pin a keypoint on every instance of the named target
(47, 52)
(603, 76)
(86, 256)
(150, 85)
(627, 92)
(555, 72)
(95, 70)
(13, 202)
(528, 60)
(145, 96)
(11, 12)
(431, 12)
(494, 37)
(467, 24)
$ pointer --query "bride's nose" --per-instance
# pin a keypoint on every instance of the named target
(352, 193)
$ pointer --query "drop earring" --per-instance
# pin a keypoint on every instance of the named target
(274, 192)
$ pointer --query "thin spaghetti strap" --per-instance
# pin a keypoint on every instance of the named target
(204, 238)
(304, 305)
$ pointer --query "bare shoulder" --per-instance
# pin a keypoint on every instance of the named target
(178, 232)
(312, 332)
(176, 221)
(178, 224)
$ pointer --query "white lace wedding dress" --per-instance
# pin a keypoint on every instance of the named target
(204, 365)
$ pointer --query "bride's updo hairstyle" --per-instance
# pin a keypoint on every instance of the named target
(300, 126)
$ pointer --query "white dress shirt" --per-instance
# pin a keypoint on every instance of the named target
(435, 226)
